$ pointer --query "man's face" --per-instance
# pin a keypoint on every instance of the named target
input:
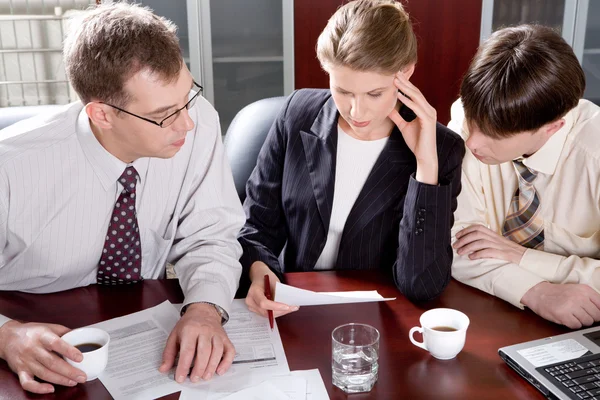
(492, 151)
(131, 138)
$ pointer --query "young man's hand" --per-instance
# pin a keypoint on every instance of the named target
(571, 304)
(479, 242)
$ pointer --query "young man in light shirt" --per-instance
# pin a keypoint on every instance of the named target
(113, 187)
(528, 220)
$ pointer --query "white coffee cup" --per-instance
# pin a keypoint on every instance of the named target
(444, 332)
(94, 361)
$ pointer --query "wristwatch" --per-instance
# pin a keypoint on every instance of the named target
(220, 310)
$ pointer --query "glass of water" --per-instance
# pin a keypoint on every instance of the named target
(355, 357)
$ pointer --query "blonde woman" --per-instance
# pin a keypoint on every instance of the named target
(346, 179)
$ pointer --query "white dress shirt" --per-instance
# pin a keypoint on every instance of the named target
(58, 186)
(354, 161)
(568, 184)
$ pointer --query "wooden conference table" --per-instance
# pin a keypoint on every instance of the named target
(405, 371)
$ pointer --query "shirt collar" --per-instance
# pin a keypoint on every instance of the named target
(546, 158)
(107, 167)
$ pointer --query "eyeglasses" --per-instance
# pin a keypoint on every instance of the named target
(169, 119)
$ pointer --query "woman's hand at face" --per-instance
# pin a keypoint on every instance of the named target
(419, 134)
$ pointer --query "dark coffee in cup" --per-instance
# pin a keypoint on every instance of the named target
(87, 347)
(444, 329)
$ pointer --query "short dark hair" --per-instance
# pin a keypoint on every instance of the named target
(109, 44)
(521, 79)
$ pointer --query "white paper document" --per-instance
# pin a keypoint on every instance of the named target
(137, 342)
(315, 387)
(299, 385)
(263, 391)
(135, 353)
(551, 353)
(301, 297)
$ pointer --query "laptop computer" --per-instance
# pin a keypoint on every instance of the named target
(565, 367)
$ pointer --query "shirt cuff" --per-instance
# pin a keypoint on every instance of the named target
(541, 263)
(212, 293)
(513, 283)
(4, 320)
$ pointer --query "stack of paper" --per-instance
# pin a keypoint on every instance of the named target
(299, 385)
(137, 342)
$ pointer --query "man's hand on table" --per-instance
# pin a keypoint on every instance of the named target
(571, 304)
(33, 349)
(198, 337)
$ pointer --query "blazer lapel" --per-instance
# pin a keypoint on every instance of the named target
(320, 147)
(386, 181)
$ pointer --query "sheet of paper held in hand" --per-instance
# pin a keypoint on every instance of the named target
(138, 340)
(301, 297)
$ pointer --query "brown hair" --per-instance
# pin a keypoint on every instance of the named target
(368, 35)
(521, 79)
(111, 43)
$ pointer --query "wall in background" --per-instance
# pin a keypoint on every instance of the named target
(447, 32)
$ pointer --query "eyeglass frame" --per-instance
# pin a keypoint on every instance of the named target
(160, 124)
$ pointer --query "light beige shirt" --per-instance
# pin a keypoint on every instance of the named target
(568, 184)
(58, 187)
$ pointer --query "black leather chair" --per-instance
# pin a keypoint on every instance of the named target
(10, 115)
(245, 137)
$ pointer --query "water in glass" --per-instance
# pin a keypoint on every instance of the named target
(354, 370)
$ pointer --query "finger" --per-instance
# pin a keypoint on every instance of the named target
(266, 304)
(594, 297)
(215, 357)
(414, 105)
(479, 242)
(58, 329)
(466, 239)
(169, 354)
(44, 373)
(259, 311)
(228, 355)
(591, 309)
(570, 321)
(413, 97)
(187, 349)
(277, 314)
(53, 342)
(488, 253)
(29, 384)
(583, 317)
(60, 367)
(397, 119)
(476, 245)
(472, 228)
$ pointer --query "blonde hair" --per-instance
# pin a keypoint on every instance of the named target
(368, 35)
(111, 43)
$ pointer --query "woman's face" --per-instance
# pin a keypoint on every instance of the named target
(364, 100)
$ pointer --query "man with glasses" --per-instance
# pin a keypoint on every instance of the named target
(112, 188)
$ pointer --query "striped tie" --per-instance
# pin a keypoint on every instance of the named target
(523, 224)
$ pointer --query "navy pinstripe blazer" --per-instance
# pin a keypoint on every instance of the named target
(396, 223)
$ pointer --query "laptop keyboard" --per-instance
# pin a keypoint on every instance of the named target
(579, 378)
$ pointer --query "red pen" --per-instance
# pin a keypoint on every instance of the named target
(268, 296)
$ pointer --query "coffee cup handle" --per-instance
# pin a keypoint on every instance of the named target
(412, 339)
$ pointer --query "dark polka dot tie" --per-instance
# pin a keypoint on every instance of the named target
(121, 260)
